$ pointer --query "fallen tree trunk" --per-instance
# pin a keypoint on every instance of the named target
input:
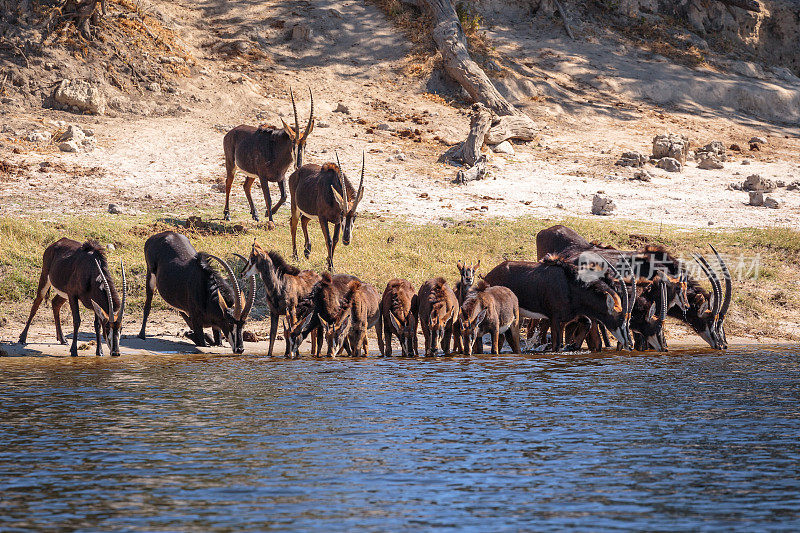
(452, 43)
(516, 127)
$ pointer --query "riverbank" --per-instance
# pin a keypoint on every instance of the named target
(766, 306)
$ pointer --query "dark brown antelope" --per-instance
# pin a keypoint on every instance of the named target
(78, 273)
(438, 307)
(358, 312)
(554, 289)
(321, 306)
(325, 192)
(461, 289)
(399, 308)
(285, 284)
(649, 314)
(265, 153)
(203, 298)
(492, 310)
(687, 300)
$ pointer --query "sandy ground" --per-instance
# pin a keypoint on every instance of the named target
(176, 161)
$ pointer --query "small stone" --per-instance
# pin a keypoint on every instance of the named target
(110, 247)
(341, 108)
(68, 146)
(602, 205)
(631, 159)
(670, 164)
(755, 182)
(39, 136)
(249, 336)
(114, 209)
(73, 133)
(757, 140)
(301, 32)
(642, 175)
(755, 147)
(321, 124)
(793, 186)
(710, 162)
(384, 127)
(756, 198)
(504, 147)
(745, 161)
(154, 87)
(735, 148)
(772, 203)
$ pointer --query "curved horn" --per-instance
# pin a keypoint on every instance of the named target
(237, 302)
(251, 297)
(296, 120)
(310, 116)
(712, 277)
(726, 301)
(361, 184)
(662, 310)
(124, 292)
(344, 187)
(243, 258)
(107, 288)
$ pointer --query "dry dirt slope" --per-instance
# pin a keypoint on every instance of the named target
(594, 97)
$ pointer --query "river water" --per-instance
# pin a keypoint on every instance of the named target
(686, 441)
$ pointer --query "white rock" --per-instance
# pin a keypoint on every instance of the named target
(772, 203)
(758, 140)
(670, 164)
(73, 133)
(40, 136)
(602, 205)
(710, 162)
(68, 146)
(114, 209)
(341, 108)
(82, 95)
(756, 198)
(504, 147)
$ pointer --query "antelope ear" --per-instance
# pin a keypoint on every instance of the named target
(221, 300)
(477, 265)
(480, 318)
(610, 303)
(395, 322)
(460, 266)
(99, 311)
(307, 321)
(339, 199)
(288, 129)
(651, 314)
(345, 321)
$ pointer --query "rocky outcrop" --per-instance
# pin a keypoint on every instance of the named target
(82, 95)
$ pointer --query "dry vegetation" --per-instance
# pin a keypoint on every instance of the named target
(768, 306)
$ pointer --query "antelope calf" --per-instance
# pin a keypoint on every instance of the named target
(325, 192)
(264, 153)
(437, 309)
(553, 289)
(321, 306)
(398, 316)
(492, 310)
(78, 273)
(461, 289)
(203, 298)
(357, 313)
(285, 284)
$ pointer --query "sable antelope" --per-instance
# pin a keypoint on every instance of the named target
(320, 307)
(325, 192)
(79, 273)
(265, 153)
(648, 316)
(203, 298)
(687, 300)
(437, 310)
(285, 284)
(399, 308)
(357, 313)
(493, 310)
(461, 289)
(554, 289)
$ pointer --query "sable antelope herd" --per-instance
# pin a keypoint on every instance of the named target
(577, 290)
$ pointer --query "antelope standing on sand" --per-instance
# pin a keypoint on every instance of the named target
(398, 316)
(438, 306)
(461, 289)
(321, 306)
(203, 298)
(325, 192)
(265, 153)
(554, 289)
(493, 310)
(78, 272)
(285, 284)
(358, 312)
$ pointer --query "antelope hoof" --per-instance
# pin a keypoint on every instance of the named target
(295, 257)
(307, 251)
(227, 216)
(23, 339)
(141, 335)
(270, 225)
(255, 216)
(73, 351)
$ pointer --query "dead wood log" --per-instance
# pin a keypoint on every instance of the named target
(516, 127)
(452, 43)
(563, 13)
(469, 151)
(477, 172)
